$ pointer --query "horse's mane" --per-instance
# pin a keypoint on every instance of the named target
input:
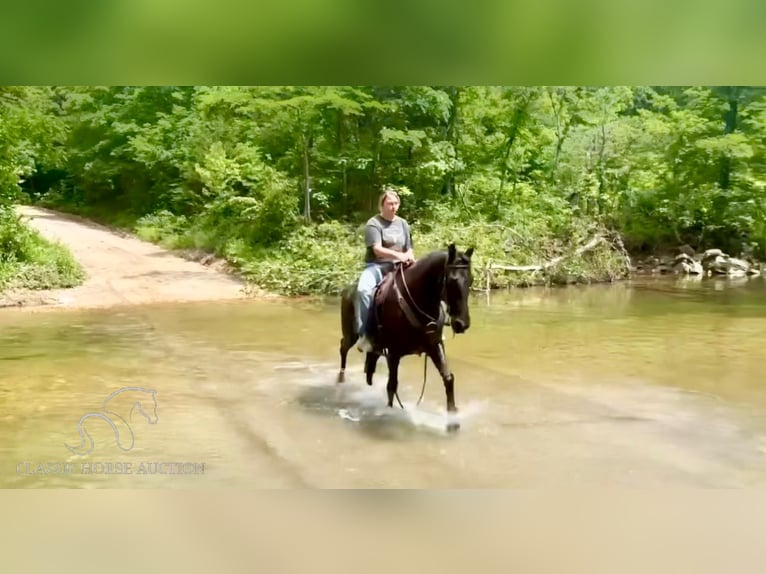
(430, 265)
(432, 257)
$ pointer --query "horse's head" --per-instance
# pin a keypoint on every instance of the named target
(457, 285)
(148, 408)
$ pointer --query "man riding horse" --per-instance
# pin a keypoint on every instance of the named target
(413, 301)
(388, 241)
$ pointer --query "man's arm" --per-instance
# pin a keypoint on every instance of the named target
(408, 252)
(374, 239)
(385, 252)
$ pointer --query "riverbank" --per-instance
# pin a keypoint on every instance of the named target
(319, 258)
(120, 269)
(151, 262)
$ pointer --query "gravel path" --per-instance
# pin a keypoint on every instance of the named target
(121, 269)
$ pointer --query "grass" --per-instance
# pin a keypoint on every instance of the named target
(29, 261)
(320, 259)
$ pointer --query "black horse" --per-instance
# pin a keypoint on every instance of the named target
(407, 317)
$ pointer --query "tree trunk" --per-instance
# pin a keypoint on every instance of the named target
(562, 129)
(373, 181)
(517, 119)
(307, 180)
(453, 136)
(731, 125)
(345, 187)
(600, 168)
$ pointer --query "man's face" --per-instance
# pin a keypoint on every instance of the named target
(390, 207)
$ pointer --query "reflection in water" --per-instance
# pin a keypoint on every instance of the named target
(655, 382)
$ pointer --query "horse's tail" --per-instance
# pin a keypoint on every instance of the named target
(348, 313)
(348, 326)
(84, 433)
(80, 449)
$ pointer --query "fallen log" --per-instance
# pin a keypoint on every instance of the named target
(595, 242)
(553, 262)
(515, 267)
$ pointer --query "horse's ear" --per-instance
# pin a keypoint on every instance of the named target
(469, 252)
(451, 252)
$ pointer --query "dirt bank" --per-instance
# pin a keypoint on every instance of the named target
(122, 270)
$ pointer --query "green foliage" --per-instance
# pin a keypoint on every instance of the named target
(29, 134)
(28, 260)
(161, 227)
(518, 171)
(321, 258)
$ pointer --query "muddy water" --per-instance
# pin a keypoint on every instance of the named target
(654, 383)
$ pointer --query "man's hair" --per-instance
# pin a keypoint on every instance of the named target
(388, 190)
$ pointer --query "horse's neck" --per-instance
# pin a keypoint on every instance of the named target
(125, 399)
(426, 289)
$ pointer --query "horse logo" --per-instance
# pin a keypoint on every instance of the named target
(111, 417)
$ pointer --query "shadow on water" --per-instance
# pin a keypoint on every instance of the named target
(366, 409)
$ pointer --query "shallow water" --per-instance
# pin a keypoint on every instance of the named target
(657, 382)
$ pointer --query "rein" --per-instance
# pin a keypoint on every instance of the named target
(433, 323)
(405, 305)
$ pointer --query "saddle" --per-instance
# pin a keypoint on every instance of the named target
(378, 297)
(381, 293)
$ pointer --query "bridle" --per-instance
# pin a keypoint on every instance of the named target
(433, 323)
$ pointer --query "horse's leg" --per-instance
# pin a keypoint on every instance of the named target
(370, 361)
(393, 377)
(345, 345)
(348, 329)
(440, 361)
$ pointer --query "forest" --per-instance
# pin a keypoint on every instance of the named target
(279, 180)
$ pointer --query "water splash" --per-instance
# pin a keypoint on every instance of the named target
(344, 414)
(364, 405)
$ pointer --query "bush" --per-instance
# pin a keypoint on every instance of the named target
(160, 227)
(29, 261)
(314, 259)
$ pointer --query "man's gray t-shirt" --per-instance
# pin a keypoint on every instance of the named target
(390, 234)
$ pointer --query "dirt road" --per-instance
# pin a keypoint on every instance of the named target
(121, 269)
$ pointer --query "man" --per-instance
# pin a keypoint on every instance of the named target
(388, 240)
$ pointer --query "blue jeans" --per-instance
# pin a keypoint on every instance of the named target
(371, 277)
